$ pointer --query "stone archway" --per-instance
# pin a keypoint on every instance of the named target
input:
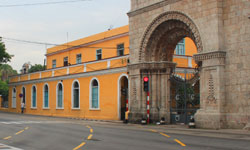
(164, 33)
(154, 58)
(156, 62)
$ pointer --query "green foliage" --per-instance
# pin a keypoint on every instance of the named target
(6, 71)
(4, 89)
(36, 67)
(4, 56)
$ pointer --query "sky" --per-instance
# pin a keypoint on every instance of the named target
(55, 23)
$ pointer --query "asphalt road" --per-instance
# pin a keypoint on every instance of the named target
(47, 133)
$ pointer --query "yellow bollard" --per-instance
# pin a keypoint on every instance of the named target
(126, 116)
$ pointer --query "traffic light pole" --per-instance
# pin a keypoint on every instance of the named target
(148, 110)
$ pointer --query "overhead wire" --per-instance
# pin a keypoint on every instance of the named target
(44, 3)
(53, 44)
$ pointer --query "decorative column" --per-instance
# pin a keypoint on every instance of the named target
(212, 90)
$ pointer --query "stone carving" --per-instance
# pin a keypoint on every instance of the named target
(170, 20)
(209, 55)
(211, 99)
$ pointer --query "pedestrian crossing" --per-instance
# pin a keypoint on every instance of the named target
(28, 122)
(6, 147)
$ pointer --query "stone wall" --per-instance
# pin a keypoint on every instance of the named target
(224, 28)
(236, 25)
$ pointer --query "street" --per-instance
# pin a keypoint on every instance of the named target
(27, 132)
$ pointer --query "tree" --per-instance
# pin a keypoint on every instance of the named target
(36, 67)
(4, 89)
(6, 71)
(4, 56)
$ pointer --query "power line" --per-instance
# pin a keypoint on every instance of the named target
(45, 3)
(52, 44)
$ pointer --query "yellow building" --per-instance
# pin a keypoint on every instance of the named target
(86, 78)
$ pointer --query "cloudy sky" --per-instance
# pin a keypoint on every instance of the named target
(50, 24)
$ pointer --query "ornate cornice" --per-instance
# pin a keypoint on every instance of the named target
(209, 55)
(151, 7)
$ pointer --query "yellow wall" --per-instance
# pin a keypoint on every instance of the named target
(109, 48)
(190, 47)
(108, 85)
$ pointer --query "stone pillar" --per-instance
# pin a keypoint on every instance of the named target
(165, 95)
(135, 94)
(212, 90)
(158, 73)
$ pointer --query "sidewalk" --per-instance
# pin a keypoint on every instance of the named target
(184, 130)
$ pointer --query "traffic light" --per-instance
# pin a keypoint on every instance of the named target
(146, 84)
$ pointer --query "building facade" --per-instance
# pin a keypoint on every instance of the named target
(220, 30)
(86, 78)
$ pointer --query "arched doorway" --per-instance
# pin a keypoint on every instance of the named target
(156, 55)
(122, 96)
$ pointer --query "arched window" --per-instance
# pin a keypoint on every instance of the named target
(76, 95)
(14, 98)
(33, 97)
(24, 94)
(46, 96)
(94, 94)
(59, 96)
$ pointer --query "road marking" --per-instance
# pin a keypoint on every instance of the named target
(91, 130)
(81, 145)
(26, 128)
(165, 135)
(6, 147)
(19, 132)
(6, 138)
(182, 144)
(30, 122)
(90, 136)
(153, 130)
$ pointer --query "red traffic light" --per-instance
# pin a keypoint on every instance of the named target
(145, 79)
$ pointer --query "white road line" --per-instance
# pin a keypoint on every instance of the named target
(30, 122)
(6, 147)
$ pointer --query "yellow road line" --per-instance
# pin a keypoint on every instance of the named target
(19, 132)
(91, 130)
(152, 130)
(6, 138)
(164, 134)
(88, 127)
(26, 128)
(81, 145)
(182, 144)
(90, 136)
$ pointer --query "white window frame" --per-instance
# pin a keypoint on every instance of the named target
(80, 60)
(90, 94)
(32, 97)
(23, 87)
(72, 95)
(57, 96)
(98, 54)
(54, 63)
(13, 105)
(44, 95)
(65, 59)
(121, 49)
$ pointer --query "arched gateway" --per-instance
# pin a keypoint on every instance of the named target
(155, 29)
(156, 61)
